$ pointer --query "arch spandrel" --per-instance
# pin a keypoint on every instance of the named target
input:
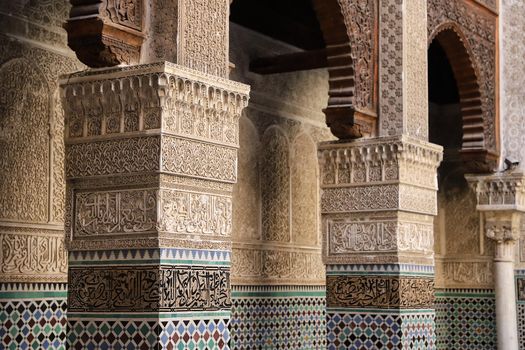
(467, 33)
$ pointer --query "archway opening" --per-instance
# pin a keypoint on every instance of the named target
(445, 116)
(318, 28)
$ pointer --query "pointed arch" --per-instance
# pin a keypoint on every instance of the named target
(474, 150)
(340, 110)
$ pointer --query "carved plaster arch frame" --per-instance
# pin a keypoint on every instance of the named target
(479, 30)
(474, 152)
(341, 75)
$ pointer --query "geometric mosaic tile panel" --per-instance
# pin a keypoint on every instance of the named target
(465, 319)
(278, 317)
(33, 319)
(144, 335)
(521, 324)
(382, 330)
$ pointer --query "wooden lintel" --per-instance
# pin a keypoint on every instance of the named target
(290, 62)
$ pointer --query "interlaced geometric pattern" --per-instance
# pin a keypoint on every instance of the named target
(145, 335)
(367, 331)
(278, 323)
(465, 320)
(521, 325)
(33, 324)
(363, 331)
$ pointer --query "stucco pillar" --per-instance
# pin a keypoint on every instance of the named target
(501, 199)
(378, 200)
(151, 159)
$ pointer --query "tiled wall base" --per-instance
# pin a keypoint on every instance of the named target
(278, 317)
(520, 307)
(365, 330)
(465, 319)
(33, 316)
(183, 334)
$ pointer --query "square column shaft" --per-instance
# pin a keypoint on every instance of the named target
(151, 159)
(378, 200)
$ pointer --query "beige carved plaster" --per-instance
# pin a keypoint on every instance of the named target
(31, 139)
(511, 77)
(378, 199)
(275, 231)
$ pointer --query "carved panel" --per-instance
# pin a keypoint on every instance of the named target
(24, 141)
(361, 21)
(352, 199)
(462, 224)
(276, 266)
(126, 12)
(378, 236)
(246, 192)
(464, 274)
(32, 255)
(106, 33)
(149, 289)
(415, 89)
(480, 30)
(113, 212)
(195, 213)
(304, 191)
(391, 66)
(275, 186)
(380, 292)
(199, 159)
(113, 157)
(512, 94)
(162, 94)
(203, 44)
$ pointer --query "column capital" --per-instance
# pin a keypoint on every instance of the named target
(378, 199)
(501, 199)
(499, 192)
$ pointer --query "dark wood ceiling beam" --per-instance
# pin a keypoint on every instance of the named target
(290, 62)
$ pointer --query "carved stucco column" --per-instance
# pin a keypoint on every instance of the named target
(378, 200)
(501, 198)
(151, 158)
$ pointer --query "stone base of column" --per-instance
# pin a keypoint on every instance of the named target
(145, 299)
(278, 317)
(33, 316)
(380, 306)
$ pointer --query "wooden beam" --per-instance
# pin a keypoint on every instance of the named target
(290, 62)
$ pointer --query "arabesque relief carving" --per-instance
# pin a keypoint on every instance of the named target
(361, 19)
(275, 186)
(24, 140)
(168, 288)
(380, 292)
(479, 27)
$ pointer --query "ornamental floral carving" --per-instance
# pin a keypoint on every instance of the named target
(150, 97)
(479, 27)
